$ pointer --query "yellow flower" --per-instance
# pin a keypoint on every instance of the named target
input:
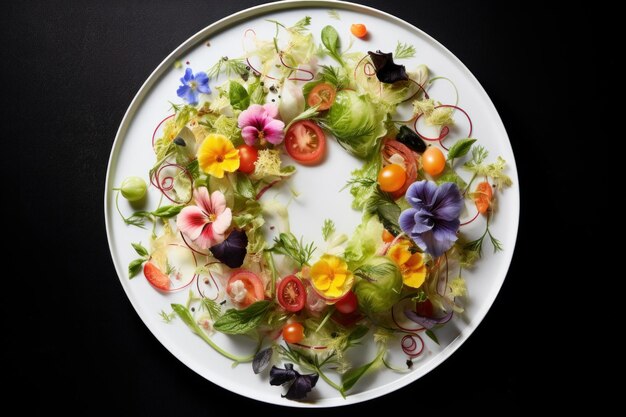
(411, 264)
(331, 277)
(217, 154)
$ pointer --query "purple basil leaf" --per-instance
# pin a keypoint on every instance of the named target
(427, 322)
(231, 251)
(386, 70)
(301, 387)
(261, 360)
(279, 376)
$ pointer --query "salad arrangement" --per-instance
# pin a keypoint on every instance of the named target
(395, 280)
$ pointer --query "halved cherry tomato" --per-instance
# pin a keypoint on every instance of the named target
(348, 304)
(250, 283)
(322, 95)
(291, 294)
(433, 161)
(424, 309)
(155, 277)
(391, 178)
(293, 332)
(393, 147)
(305, 142)
(483, 196)
(387, 236)
(247, 157)
(359, 30)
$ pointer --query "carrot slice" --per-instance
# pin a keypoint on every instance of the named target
(483, 197)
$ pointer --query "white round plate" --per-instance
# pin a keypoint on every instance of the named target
(319, 187)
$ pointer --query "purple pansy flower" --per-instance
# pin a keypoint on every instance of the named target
(433, 220)
(260, 123)
(192, 84)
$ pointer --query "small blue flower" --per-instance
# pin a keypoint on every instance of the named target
(433, 219)
(192, 84)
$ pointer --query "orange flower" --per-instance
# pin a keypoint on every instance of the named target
(411, 264)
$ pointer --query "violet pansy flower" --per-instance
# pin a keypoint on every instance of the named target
(433, 219)
(259, 123)
(192, 85)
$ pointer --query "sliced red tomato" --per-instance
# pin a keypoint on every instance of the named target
(247, 157)
(322, 95)
(250, 283)
(155, 277)
(305, 142)
(348, 303)
(291, 294)
(483, 196)
(393, 147)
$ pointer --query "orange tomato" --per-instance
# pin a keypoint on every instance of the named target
(359, 30)
(391, 178)
(433, 161)
(293, 332)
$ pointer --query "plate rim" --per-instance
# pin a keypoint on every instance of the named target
(223, 24)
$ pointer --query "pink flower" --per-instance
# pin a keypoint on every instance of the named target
(207, 221)
(259, 122)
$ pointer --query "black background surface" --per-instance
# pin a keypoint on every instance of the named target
(70, 71)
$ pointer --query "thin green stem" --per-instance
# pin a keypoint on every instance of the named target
(330, 382)
(269, 259)
(330, 312)
(456, 91)
(469, 184)
(237, 359)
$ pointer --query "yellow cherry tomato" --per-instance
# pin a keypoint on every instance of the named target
(433, 161)
(391, 178)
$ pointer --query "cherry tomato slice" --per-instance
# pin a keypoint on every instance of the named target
(322, 95)
(293, 332)
(252, 285)
(483, 196)
(433, 161)
(348, 304)
(155, 277)
(305, 142)
(247, 157)
(393, 147)
(391, 178)
(291, 294)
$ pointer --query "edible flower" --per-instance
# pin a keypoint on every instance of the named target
(192, 84)
(217, 154)
(260, 123)
(411, 264)
(433, 219)
(232, 251)
(205, 222)
(331, 277)
(301, 386)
